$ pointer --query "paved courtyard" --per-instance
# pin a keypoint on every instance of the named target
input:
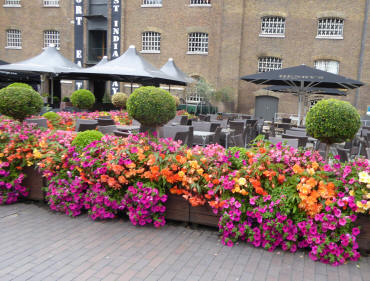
(37, 244)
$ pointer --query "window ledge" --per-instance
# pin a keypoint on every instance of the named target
(330, 37)
(150, 52)
(12, 6)
(200, 5)
(13, 48)
(52, 6)
(272, 35)
(151, 6)
(197, 53)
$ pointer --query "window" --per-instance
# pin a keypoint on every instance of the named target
(13, 39)
(200, 2)
(51, 3)
(269, 63)
(198, 43)
(152, 3)
(12, 3)
(330, 28)
(51, 37)
(331, 66)
(151, 42)
(272, 26)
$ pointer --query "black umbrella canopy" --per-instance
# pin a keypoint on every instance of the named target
(8, 76)
(50, 61)
(171, 69)
(321, 91)
(129, 67)
(303, 76)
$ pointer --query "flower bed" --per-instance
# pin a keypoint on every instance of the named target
(269, 196)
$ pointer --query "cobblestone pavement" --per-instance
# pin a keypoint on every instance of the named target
(37, 244)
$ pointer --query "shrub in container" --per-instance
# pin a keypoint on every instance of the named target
(19, 102)
(119, 100)
(332, 121)
(83, 99)
(151, 106)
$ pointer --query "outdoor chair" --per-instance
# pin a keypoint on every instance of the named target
(206, 118)
(216, 139)
(343, 153)
(107, 130)
(296, 133)
(286, 120)
(245, 116)
(368, 153)
(284, 126)
(41, 122)
(87, 125)
(182, 136)
(238, 137)
(179, 120)
(105, 121)
(290, 142)
(170, 132)
(302, 141)
(122, 134)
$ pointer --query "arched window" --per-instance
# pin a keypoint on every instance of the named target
(51, 37)
(269, 63)
(151, 42)
(13, 39)
(330, 28)
(331, 66)
(272, 26)
(198, 43)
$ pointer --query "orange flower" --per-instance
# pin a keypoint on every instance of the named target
(297, 169)
(281, 178)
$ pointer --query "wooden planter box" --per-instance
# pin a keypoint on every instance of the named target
(203, 215)
(34, 182)
(363, 239)
(177, 208)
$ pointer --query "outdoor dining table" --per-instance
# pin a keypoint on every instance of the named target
(128, 128)
(204, 135)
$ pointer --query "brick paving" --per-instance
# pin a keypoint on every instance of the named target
(37, 244)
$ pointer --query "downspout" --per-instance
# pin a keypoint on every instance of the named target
(362, 51)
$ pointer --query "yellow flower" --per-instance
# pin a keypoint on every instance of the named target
(181, 174)
(311, 171)
(189, 154)
(242, 181)
(200, 171)
(364, 177)
(29, 163)
(359, 204)
(1, 154)
(352, 192)
(36, 154)
(194, 164)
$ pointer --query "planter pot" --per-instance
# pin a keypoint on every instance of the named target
(363, 239)
(204, 215)
(65, 104)
(34, 182)
(177, 208)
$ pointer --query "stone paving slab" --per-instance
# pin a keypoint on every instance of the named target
(38, 244)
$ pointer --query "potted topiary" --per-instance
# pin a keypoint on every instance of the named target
(83, 99)
(83, 139)
(152, 107)
(332, 121)
(119, 100)
(20, 102)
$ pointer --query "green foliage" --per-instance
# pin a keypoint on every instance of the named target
(119, 100)
(83, 99)
(20, 85)
(20, 103)
(56, 100)
(151, 106)
(83, 139)
(66, 99)
(224, 95)
(238, 155)
(51, 116)
(333, 121)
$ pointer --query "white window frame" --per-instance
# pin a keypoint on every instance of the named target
(200, 3)
(338, 26)
(51, 3)
(270, 21)
(324, 65)
(198, 38)
(14, 37)
(151, 3)
(48, 36)
(12, 4)
(150, 42)
(266, 64)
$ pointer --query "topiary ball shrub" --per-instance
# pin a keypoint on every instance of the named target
(151, 106)
(119, 100)
(20, 85)
(66, 99)
(20, 103)
(83, 139)
(51, 116)
(332, 121)
(82, 99)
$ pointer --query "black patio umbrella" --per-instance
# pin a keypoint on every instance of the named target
(129, 67)
(312, 91)
(171, 69)
(302, 78)
(7, 77)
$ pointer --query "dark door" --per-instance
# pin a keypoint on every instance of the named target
(266, 107)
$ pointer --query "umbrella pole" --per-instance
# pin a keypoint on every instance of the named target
(299, 109)
(131, 87)
(52, 89)
(169, 88)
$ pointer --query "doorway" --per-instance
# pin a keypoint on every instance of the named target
(266, 107)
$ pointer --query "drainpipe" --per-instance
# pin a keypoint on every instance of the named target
(362, 51)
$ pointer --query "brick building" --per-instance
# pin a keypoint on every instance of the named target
(219, 40)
